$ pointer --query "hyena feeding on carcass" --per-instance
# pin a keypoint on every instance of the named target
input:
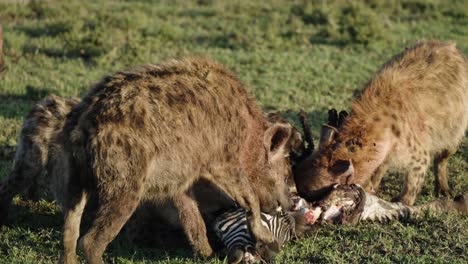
(40, 150)
(153, 216)
(40, 164)
(152, 133)
(413, 109)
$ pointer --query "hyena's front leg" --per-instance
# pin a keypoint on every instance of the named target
(441, 172)
(377, 178)
(236, 184)
(414, 181)
(193, 223)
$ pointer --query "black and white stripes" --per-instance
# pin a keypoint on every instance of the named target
(233, 230)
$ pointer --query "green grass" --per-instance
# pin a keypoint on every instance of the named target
(292, 54)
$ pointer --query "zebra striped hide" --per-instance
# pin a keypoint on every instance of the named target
(343, 204)
(233, 230)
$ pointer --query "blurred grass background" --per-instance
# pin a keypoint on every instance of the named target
(292, 54)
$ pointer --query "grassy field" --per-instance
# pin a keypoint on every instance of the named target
(292, 54)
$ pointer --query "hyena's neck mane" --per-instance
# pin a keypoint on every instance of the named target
(366, 143)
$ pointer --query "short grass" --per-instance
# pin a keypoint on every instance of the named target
(292, 54)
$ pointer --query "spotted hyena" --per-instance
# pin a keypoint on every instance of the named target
(39, 158)
(414, 109)
(152, 133)
(161, 217)
(39, 164)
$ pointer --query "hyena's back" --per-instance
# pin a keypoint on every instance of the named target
(162, 124)
(426, 91)
(39, 132)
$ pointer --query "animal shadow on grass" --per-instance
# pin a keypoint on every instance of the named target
(43, 222)
(73, 46)
(32, 225)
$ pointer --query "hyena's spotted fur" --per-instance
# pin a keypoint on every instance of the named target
(414, 109)
(39, 145)
(152, 133)
(151, 216)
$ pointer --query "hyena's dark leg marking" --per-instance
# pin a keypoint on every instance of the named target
(236, 185)
(441, 172)
(112, 213)
(193, 223)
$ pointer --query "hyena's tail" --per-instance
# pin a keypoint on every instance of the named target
(40, 126)
(376, 209)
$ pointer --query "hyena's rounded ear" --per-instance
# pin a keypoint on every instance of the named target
(276, 138)
(343, 170)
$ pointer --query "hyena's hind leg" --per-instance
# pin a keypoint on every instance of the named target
(112, 214)
(441, 172)
(193, 223)
(73, 210)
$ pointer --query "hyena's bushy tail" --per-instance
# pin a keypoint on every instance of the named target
(376, 209)
(40, 126)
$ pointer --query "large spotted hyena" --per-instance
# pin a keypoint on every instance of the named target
(413, 109)
(152, 133)
(39, 164)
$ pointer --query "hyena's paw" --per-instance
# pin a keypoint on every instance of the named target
(263, 234)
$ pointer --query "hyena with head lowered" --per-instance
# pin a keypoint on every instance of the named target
(39, 152)
(152, 133)
(413, 109)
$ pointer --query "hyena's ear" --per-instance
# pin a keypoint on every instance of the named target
(275, 140)
(343, 170)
